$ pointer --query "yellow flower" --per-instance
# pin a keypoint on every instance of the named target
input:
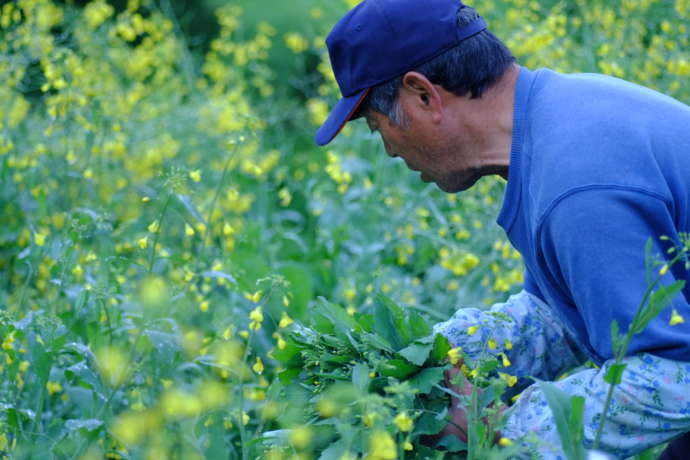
(195, 175)
(676, 318)
(256, 318)
(506, 361)
(492, 344)
(505, 442)
(508, 345)
(188, 230)
(300, 437)
(472, 330)
(53, 387)
(258, 366)
(285, 320)
(203, 306)
(511, 380)
(454, 355)
(381, 446)
(403, 422)
(143, 242)
(663, 270)
(407, 445)
(40, 238)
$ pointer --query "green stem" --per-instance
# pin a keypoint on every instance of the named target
(624, 348)
(152, 258)
(219, 187)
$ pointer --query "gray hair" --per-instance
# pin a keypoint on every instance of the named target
(471, 67)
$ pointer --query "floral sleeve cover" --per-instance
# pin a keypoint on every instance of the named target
(649, 407)
(539, 346)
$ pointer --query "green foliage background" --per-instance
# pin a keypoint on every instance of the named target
(165, 215)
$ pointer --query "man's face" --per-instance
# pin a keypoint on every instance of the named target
(440, 155)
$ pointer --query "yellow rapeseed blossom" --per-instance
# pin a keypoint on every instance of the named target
(53, 387)
(676, 318)
(195, 175)
(454, 355)
(113, 364)
(300, 436)
(505, 442)
(285, 320)
(381, 446)
(188, 230)
(40, 238)
(403, 422)
(491, 344)
(256, 317)
(258, 366)
(472, 330)
(505, 361)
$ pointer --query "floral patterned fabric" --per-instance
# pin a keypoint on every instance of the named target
(649, 407)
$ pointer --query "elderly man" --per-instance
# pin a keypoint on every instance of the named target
(595, 167)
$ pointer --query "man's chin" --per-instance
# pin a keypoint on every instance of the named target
(455, 186)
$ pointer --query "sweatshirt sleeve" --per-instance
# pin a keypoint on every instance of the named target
(591, 247)
(523, 328)
(650, 406)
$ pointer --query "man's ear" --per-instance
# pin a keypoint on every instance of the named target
(421, 95)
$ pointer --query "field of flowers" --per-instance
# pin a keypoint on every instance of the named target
(183, 274)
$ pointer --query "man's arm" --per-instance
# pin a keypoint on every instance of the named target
(524, 328)
(649, 407)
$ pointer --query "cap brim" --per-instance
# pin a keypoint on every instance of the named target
(341, 113)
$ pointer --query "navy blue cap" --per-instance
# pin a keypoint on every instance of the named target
(379, 40)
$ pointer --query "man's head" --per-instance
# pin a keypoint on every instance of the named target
(421, 58)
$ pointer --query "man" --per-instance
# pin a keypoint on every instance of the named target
(595, 167)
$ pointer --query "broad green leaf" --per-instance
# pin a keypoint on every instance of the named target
(341, 320)
(561, 405)
(360, 377)
(398, 368)
(615, 373)
(385, 325)
(335, 451)
(416, 353)
(425, 380)
(441, 348)
(452, 444)
(418, 326)
(577, 413)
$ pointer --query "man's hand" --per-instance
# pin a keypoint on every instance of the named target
(458, 415)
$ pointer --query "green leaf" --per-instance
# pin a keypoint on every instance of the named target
(425, 380)
(615, 373)
(418, 326)
(360, 377)
(398, 368)
(659, 300)
(561, 405)
(337, 315)
(416, 353)
(335, 451)
(452, 444)
(577, 413)
(441, 348)
(389, 322)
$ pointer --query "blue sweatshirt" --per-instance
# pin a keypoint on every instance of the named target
(598, 165)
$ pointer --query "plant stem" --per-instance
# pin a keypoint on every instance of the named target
(158, 232)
